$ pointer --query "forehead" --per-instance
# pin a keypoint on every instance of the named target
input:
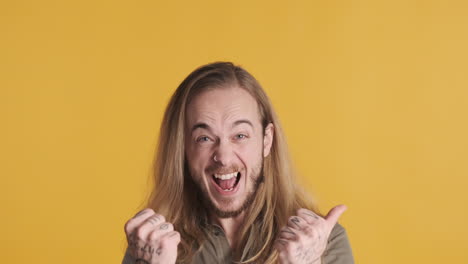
(222, 105)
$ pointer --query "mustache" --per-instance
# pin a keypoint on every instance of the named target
(216, 169)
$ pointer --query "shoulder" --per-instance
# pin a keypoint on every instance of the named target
(338, 249)
(337, 232)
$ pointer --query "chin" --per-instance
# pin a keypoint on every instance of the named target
(228, 209)
(223, 213)
(224, 206)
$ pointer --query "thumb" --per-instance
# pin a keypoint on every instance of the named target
(334, 214)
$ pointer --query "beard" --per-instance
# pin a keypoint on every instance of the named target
(256, 177)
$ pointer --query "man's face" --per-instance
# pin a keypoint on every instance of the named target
(225, 146)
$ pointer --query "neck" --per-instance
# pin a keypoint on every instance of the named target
(231, 227)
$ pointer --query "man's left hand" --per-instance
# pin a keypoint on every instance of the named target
(304, 238)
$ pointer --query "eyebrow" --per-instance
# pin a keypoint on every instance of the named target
(201, 125)
(207, 127)
(242, 121)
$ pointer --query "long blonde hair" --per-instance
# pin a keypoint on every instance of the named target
(175, 195)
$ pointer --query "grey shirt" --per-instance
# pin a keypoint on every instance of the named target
(216, 248)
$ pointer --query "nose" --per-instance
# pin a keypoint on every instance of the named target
(223, 153)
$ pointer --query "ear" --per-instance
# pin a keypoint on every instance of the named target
(268, 139)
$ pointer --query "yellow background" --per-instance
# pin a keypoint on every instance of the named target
(373, 96)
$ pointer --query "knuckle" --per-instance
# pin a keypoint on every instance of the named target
(140, 233)
(307, 230)
(164, 227)
(160, 217)
(150, 212)
(177, 235)
(295, 222)
(279, 247)
(153, 236)
(170, 226)
(165, 241)
(281, 243)
(301, 239)
(313, 232)
(178, 239)
(127, 227)
(288, 247)
(144, 211)
(295, 238)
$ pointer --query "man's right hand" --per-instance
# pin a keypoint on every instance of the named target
(151, 239)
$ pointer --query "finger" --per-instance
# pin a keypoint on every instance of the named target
(288, 234)
(283, 248)
(171, 238)
(137, 220)
(297, 222)
(309, 216)
(166, 241)
(144, 211)
(281, 245)
(143, 231)
(165, 227)
(334, 214)
(159, 231)
(154, 220)
(167, 246)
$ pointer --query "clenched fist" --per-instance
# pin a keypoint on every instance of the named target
(304, 238)
(151, 239)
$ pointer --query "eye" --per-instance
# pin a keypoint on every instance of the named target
(203, 139)
(241, 136)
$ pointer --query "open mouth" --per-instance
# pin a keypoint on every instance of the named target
(227, 182)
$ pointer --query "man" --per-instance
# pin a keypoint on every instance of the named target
(224, 189)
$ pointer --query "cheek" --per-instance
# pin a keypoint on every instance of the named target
(197, 161)
(250, 153)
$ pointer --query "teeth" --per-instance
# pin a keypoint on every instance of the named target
(228, 190)
(226, 176)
